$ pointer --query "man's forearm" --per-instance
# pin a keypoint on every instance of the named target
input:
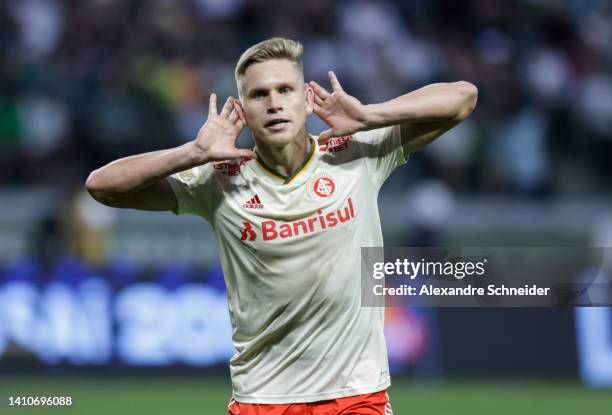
(128, 175)
(433, 103)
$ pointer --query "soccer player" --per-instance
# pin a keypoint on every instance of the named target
(290, 217)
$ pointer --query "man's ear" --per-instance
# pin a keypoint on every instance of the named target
(240, 111)
(309, 93)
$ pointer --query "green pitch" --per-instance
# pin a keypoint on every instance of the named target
(172, 395)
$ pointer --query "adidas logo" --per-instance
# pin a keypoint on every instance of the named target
(254, 203)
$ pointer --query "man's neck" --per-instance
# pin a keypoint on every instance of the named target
(284, 159)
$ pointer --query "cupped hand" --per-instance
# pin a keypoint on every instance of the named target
(344, 113)
(217, 137)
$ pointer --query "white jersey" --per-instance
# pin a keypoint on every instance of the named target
(290, 251)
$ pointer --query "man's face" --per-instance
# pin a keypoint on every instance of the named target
(275, 101)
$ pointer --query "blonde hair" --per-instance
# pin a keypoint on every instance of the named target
(275, 48)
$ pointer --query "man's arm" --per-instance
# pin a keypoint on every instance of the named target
(139, 182)
(426, 113)
(423, 114)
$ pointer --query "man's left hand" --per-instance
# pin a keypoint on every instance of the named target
(342, 112)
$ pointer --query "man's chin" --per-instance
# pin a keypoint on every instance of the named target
(277, 138)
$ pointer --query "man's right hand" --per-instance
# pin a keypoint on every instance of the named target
(216, 140)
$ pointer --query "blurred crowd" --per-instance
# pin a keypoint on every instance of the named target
(88, 81)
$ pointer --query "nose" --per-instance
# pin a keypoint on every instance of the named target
(274, 103)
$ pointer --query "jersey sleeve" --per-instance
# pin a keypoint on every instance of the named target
(382, 151)
(195, 191)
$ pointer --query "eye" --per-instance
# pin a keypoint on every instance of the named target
(284, 89)
(259, 94)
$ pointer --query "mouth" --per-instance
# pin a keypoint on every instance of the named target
(277, 124)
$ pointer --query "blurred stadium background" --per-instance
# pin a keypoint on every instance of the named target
(124, 310)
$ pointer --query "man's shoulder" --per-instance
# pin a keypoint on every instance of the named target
(338, 151)
(213, 172)
(336, 144)
(355, 140)
(346, 148)
(228, 168)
